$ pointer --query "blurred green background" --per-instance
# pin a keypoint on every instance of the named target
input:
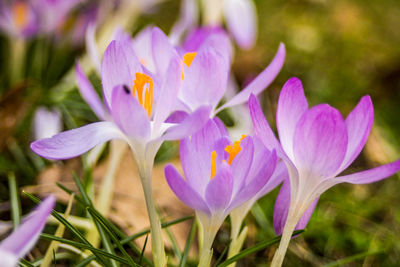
(341, 50)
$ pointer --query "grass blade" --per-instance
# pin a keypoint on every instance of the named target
(188, 244)
(69, 226)
(251, 250)
(14, 200)
(353, 258)
(144, 247)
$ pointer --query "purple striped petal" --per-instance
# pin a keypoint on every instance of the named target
(129, 114)
(188, 17)
(279, 175)
(262, 81)
(88, 93)
(292, 104)
(241, 163)
(281, 210)
(162, 50)
(320, 141)
(195, 155)
(372, 175)
(75, 142)
(359, 124)
(169, 92)
(118, 67)
(219, 189)
(205, 80)
(244, 30)
(143, 49)
(257, 183)
(191, 124)
(21, 241)
(221, 126)
(183, 191)
(91, 46)
(261, 126)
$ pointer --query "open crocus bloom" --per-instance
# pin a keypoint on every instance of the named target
(317, 144)
(137, 104)
(220, 175)
(24, 237)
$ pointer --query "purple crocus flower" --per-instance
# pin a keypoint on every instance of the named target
(18, 19)
(317, 144)
(220, 176)
(24, 237)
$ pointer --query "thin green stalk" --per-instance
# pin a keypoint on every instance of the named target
(157, 243)
(14, 199)
(17, 57)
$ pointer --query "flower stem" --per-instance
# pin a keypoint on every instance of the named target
(236, 243)
(283, 245)
(17, 46)
(206, 251)
(157, 243)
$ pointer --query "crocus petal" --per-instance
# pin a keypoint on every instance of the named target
(183, 191)
(162, 50)
(21, 241)
(47, 123)
(129, 114)
(257, 183)
(292, 104)
(358, 123)
(118, 67)
(320, 141)
(75, 142)
(88, 93)
(244, 30)
(205, 80)
(262, 81)
(191, 124)
(279, 175)
(143, 49)
(261, 126)
(195, 155)
(281, 210)
(169, 92)
(219, 189)
(92, 47)
(242, 162)
(221, 126)
(372, 175)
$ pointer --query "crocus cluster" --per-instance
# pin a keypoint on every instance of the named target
(24, 237)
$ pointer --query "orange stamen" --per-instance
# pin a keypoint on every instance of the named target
(187, 60)
(143, 93)
(213, 164)
(20, 12)
(234, 149)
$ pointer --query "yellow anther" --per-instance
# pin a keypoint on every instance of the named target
(20, 12)
(234, 149)
(213, 164)
(187, 60)
(143, 93)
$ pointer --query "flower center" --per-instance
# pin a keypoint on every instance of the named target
(20, 12)
(232, 150)
(187, 60)
(143, 91)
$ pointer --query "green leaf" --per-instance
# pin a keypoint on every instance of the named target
(353, 258)
(85, 246)
(188, 244)
(251, 250)
(144, 247)
(14, 199)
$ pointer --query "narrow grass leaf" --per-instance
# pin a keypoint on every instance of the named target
(143, 249)
(14, 200)
(353, 258)
(188, 244)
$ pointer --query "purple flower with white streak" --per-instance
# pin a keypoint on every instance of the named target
(317, 144)
(220, 176)
(24, 237)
